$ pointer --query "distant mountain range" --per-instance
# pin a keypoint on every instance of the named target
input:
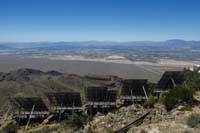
(149, 51)
(97, 44)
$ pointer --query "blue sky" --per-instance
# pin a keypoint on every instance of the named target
(114, 20)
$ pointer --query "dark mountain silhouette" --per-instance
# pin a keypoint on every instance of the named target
(26, 74)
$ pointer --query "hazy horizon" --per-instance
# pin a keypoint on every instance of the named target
(113, 41)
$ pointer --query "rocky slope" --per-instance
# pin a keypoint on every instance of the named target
(159, 120)
(30, 82)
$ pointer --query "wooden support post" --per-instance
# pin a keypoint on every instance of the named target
(145, 92)
(29, 118)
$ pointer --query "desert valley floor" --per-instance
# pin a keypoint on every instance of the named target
(150, 71)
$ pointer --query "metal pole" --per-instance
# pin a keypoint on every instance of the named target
(7, 113)
(73, 111)
(59, 118)
(104, 101)
(173, 82)
(90, 111)
(49, 107)
(145, 92)
(30, 117)
(132, 95)
(18, 122)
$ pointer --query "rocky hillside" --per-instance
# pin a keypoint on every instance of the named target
(159, 120)
(184, 117)
(30, 82)
(26, 74)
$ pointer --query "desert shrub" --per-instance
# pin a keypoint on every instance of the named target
(170, 102)
(161, 98)
(193, 120)
(77, 120)
(91, 129)
(150, 102)
(186, 108)
(9, 127)
(114, 110)
(177, 95)
(194, 81)
(109, 130)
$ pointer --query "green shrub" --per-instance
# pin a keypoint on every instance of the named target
(186, 108)
(193, 120)
(75, 120)
(170, 102)
(177, 95)
(150, 102)
(9, 127)
(161, 98)
(194, 81)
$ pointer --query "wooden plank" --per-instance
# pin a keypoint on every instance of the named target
(134, 122)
